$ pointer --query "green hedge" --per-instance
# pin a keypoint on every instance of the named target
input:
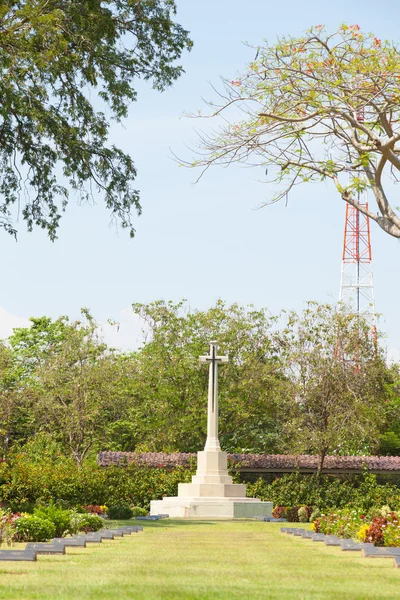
(327, 491)
(24, 484)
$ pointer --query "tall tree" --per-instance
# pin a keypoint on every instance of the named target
(170, 385)
(337, 374)
(62, 63)
(325, 106)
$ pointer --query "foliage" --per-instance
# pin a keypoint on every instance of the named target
(279, 512)
(67, 64)
(121, 511)
(167, 368)
(96, 509)
(337, 377)
(326, 492)
(137, 511)
(303, 514)
(315, 514)
(63, 392)
(90, 523)
(375, 527)
(71, 380)
(324, 106)
(345, 522)
(34, 529)
(7, 530)
(56, 515)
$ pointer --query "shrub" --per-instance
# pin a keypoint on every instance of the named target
(6, 527)
(292, 514)
(137, 511)
(303, 514)
(344, 523)
(34, 529)
(58, 516)
(391, 534)
(326, 492)
(119, 512)
(90, 523)
(315, 514)
(279, 512)
(76, 522)
(95, 509)
(378, 527)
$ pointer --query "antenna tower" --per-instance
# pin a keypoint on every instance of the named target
(356, 285)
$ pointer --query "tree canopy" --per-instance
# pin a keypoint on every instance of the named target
(62, 65)
(314, 382)
(324, 106)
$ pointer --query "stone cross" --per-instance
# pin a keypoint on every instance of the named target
(213, 361)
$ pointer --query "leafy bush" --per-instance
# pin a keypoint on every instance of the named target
(24, 483)
(303, 514)
(6, 527)
(314, 515)
(292, 514)
(344, 523)
(91, 523)
(77, 522)
(34, 529)
(137, 511)
(119, 512)
(377, 531)
(95, 509)
(58, 516)
(326, 492)
(279, 512)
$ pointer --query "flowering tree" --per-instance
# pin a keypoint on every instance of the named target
(323, 106)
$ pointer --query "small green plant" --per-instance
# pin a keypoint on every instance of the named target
(138, 511)
(34, 529)
(315, 514)
(6, 527)
(91, 523)
(58, 516)
(303, 514)
(121, 511)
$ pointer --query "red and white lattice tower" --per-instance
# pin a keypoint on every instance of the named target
(356, 285)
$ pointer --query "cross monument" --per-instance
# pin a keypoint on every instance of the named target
(212, 492)
(213, 360)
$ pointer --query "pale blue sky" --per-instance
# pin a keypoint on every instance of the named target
(203, 241)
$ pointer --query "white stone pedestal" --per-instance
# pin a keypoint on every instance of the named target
(211, 494)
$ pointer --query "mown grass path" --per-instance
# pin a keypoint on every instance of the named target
(199, 560)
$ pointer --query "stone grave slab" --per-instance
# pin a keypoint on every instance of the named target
(78, 541)
(298, 532)
(332, 540)
(396, 562)
(17, 555)
(307, 535)
(379, 552)
(93, 538)
(46, 548)
(107, 534)
(318, 537)
(352, 546)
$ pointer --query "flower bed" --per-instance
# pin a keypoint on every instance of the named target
(380, 527)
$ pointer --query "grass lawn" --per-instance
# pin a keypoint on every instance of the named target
(191, 560)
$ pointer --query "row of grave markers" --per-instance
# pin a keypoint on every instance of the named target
(367, 549)
(59, 545)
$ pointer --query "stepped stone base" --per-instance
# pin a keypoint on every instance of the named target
(211, 507)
